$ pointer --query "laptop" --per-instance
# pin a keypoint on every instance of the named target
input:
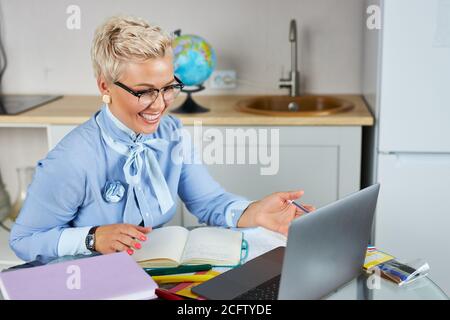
(325, 250)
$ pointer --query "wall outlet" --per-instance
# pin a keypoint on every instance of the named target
(223, 79)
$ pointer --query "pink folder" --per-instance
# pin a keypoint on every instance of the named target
(112, 276)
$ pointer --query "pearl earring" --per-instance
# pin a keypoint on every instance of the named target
(106, 99)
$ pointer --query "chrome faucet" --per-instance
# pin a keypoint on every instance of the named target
(293, 82)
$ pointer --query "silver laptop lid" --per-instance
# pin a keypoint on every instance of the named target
(326, 249)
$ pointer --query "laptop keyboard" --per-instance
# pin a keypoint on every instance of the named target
(266, 291)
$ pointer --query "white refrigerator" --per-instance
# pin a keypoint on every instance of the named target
(407, 85)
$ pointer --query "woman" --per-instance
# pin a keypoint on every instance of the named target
(113, 178)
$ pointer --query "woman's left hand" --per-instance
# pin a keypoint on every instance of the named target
(274, 212)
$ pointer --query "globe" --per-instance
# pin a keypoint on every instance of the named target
(194, 59)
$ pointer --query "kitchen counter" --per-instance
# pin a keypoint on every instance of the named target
(74, 110)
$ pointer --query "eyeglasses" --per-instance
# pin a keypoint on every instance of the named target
(147, 97)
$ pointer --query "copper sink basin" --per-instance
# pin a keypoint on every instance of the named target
(302, 106)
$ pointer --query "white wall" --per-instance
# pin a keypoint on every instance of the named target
(249, 36)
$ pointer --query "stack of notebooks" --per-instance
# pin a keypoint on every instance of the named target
(184, 288)
(374, 258)
(393, 270)
(112, 276)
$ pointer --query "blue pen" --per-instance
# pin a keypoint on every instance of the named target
(300, 206)
(394, 272)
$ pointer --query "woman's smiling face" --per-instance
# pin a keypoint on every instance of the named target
(154, 73)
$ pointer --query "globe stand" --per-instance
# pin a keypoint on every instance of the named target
(189, 105)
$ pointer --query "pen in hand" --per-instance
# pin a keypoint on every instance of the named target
(301, 207)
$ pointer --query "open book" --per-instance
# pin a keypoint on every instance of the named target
(174, 245)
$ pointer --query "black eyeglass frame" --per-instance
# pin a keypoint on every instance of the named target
(139, 94)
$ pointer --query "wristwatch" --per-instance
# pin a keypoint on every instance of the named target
(90, 239)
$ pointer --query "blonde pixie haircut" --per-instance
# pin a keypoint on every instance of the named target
(125, 39)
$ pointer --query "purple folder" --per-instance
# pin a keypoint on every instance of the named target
(112, 276)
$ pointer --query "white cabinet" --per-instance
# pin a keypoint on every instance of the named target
(323, 161)
(20, 146)
(56, 132)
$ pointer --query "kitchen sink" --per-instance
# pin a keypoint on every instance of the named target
(301, 106)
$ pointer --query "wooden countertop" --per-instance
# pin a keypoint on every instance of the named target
(74, 110)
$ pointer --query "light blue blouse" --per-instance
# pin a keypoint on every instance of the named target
(102, 173)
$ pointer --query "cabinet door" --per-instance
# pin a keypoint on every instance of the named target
(413, 212)
(322, 161)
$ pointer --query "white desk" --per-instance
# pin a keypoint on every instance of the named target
(422, 289)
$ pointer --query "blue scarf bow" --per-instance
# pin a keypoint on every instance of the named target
(141, 153)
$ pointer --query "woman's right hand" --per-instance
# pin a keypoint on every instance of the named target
(120, 237)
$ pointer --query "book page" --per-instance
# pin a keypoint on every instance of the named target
(163, 243)
(260, 240)
(217, 246)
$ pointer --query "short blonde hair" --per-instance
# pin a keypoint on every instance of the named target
(126, 39)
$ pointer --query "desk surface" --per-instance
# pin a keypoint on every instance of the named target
(422, 289)
(74, 110)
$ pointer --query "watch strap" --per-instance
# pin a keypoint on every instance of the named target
(91, 235)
